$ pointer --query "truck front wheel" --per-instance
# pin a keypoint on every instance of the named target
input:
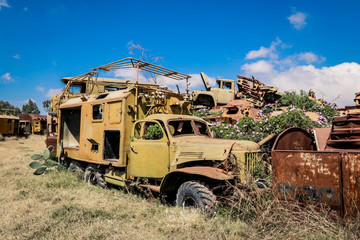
(93, 176)
(192, 194)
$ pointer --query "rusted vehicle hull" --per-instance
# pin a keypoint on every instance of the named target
(330, 177)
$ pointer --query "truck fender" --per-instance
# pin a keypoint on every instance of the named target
(172, 181)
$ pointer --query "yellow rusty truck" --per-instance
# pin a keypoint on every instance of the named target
(89, 83)
(144, 135)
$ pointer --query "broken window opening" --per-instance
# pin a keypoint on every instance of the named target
(95, 147)
(232, 111)
(226, 85)
(202, 128)
(181, 127)
(70, 125)
(97, 112)
(152, 131)
(111, 144)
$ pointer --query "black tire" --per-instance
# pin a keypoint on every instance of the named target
(93, 176)
(192, 194)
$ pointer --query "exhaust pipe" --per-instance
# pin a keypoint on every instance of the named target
(268, 138)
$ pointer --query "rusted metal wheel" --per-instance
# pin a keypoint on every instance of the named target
(94, 177)
(192, 194)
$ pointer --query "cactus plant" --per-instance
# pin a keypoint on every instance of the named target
(45, 165)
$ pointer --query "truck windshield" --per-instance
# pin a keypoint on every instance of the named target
(186, 127)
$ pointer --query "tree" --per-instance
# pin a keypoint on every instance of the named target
(7, 108)
(30, 107)
(46, 105)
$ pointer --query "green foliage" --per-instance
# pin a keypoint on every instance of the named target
(40, 170)
(35, 165)
(298, 100)
(44, 165)
(36, 156)
(7, 108)
(46, 154)
(46, 105)
(206, 113)
(153, 132)
(30, 107)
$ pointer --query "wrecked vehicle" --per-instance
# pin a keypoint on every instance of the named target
(249, 89)
(320, 169)
(89, 83)
(9, 125)
(140, 136)
(233, 111)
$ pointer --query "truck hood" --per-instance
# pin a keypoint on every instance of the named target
(204, 148)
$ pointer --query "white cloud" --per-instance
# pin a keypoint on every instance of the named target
(17, 56)
(53, 91)
(130, 74)
(264, 52)
(298, 20)
(40, 89)
(6, 78)
(258, 68)
(309, 57)
(272, 54)
(3, 3)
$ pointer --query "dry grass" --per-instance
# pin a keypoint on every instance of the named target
(59, 206)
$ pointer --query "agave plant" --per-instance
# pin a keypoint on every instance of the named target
(43, 164)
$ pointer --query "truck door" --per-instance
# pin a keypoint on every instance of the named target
(149, 150)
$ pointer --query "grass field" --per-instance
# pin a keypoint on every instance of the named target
(60, 206)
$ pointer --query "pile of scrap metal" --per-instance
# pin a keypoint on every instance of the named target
(256, 92)
(321, 169)
(235, 103)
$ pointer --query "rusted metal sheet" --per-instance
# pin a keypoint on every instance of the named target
(308, 176)
(351, 182)
(321, 135)
(294, 139)
(51, 141)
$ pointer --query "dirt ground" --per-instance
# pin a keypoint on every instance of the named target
(16, 147)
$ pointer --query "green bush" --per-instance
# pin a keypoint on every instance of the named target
(153, 132)
(206, 113)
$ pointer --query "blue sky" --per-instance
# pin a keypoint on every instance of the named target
(289, 44)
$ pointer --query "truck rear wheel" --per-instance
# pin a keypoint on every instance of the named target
(93, 176)
(192, 194)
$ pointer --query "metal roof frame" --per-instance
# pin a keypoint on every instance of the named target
(137, 64)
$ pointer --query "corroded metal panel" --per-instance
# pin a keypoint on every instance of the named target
(351, 182)
(294, 139)
(308, 176)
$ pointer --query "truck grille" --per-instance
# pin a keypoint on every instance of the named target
(196, 155)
